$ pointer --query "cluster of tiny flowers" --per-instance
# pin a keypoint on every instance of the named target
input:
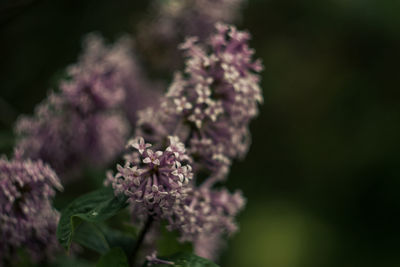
(87, 121)
(211, 104)
(153, 180)
(27, 219)
(206, 212)
(208, 246)
(172, 20)
(209, 107)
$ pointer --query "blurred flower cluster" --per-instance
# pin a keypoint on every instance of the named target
(27, 219)
(88, 121)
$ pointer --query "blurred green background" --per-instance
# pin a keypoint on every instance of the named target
(322, 175)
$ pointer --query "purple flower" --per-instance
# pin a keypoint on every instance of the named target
(153, 180)
(211, 104)
(139, 144)
(208, 246)
(205, 212)
(27, 219)
(87, 121)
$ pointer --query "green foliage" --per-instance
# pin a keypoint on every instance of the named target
(168, 244)
(101, 238)
(115, 258)
(68, 261)
(121, 239)
(89, 235)
(91, 208)
(81, 222)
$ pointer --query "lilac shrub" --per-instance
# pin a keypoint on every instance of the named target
(202, 121)
(27, 219)
(184, 142)
(88, 120)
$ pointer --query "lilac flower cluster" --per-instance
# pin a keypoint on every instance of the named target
(208, 108)
(211, 104)
(160, 184)
(27, 219)
(154, 179)
(208, 246)
(86, 122)
(172, 20)
(206, 211)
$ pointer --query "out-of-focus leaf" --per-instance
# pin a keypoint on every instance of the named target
(101, 238)
(168, 244)
(114, 258)
(93, 207)
(116, 238)
(65, 261)
(131, 230)
(89, 235)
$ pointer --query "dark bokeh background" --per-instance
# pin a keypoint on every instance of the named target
(322, 177)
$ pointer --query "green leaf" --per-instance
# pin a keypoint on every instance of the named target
(67, 261)
(130, 229)
(114, 258)
(101, 238)
(89, 235)
(168, 244)
(187, 260)
(116, 238)
(93, 207)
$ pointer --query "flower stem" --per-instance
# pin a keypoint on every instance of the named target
(140, 239)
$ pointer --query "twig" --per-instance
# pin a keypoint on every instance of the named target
(140, 240)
